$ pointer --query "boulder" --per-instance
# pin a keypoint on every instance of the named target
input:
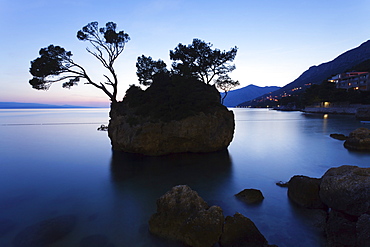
(250, 196)
(304, 191)
(184, 216)
(346, 189)
(358, 140)
(45, 232)
(241, 231)
(363, 231)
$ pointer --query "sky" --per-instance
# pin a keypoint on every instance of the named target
(277, 40)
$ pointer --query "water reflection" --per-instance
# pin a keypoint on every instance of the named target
(185, 168)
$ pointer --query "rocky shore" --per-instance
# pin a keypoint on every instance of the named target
(342, 199)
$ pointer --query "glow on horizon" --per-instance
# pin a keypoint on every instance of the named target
(277, 40)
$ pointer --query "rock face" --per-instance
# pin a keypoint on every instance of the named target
(173, 115)
(250, 196)
(305, 192)
(347, 189)
(182, 215)
(358, 140)
(203, 132)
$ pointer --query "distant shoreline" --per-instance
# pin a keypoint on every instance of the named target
(18, 105)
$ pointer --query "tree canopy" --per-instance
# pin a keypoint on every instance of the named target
(55, 64)
(200, 60)
(147, 69)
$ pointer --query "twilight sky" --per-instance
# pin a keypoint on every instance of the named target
(277, 40)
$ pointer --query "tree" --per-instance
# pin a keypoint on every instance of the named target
(55, 64)
(200, 60)
(225, 83)
(147, 69)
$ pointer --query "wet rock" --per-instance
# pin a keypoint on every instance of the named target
(363, 231)
(358, 140)
(250, 196)
(305, 192)
(241, 231)
(341, 230)
(346, 189)
(340, 137)
(184, 216)
(45, 232)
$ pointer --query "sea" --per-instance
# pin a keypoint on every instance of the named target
(54, 162)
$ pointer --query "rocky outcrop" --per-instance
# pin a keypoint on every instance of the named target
(202, 132)
(346, 191)
(358, 140)
(182, 215)
(305, 192)
(250, 196)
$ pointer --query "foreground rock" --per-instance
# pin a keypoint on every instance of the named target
(346, 191)
(182, 215)
(250, 196)
(171, 117)
(241, 231)
(45, 232)
(358, 140)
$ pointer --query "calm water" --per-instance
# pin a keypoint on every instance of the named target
(54, 162)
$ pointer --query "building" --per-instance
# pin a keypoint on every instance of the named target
(352, 80)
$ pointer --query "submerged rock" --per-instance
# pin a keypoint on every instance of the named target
(250, 196)
(305, 192)
(347, 189)
(45, 232)
(358, 140)
(340, 137)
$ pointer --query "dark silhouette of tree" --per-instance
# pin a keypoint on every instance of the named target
(200, 60)
(147, 69)
(55, 64)
(225, 83)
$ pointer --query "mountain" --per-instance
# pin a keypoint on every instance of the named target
(235, 97)
(317, 74)
(17, 105)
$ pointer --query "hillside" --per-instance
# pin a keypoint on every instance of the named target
(238, 96)
(317, 74)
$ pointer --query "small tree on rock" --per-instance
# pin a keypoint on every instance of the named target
(225, 83)
(55, 64)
